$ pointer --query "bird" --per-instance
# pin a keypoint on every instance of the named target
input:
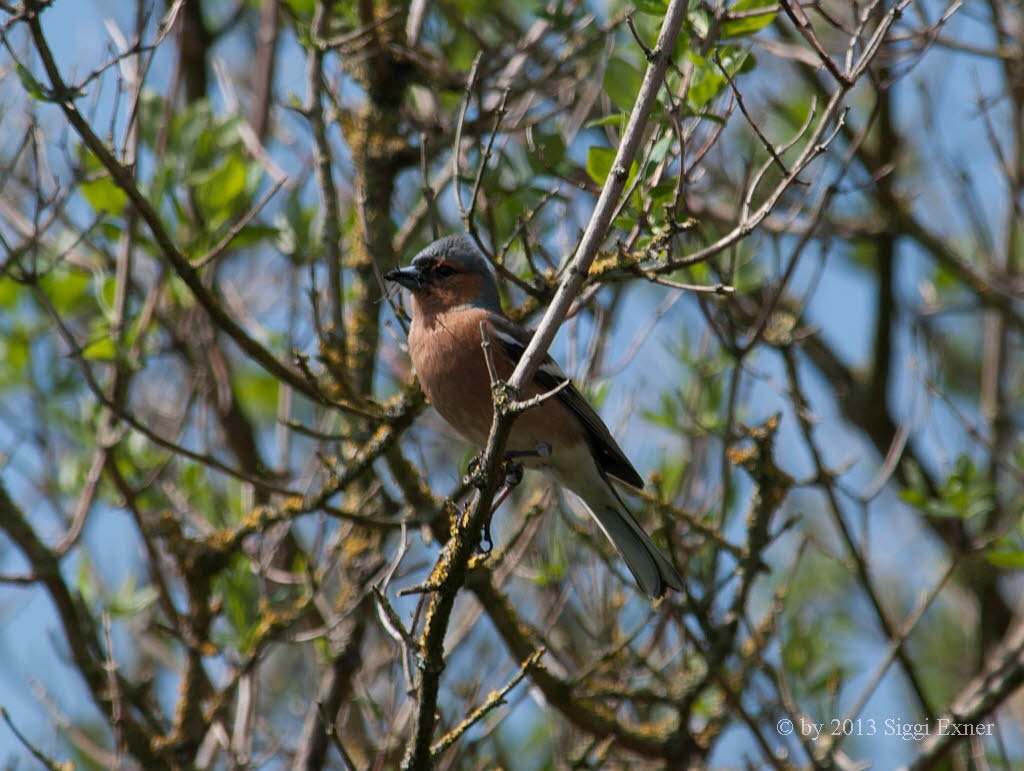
(453, 289)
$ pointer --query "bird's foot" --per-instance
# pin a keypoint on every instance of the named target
(512, 471)
(511, 468)
(512, 475)
(486, 544)
(542, 450)
(475, 476)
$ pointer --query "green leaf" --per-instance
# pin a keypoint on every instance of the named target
(105, 291)
(104, 195)
(599, 163)
(748, 25)
(615, 119)
(707, 81)
(1009, 559)
(653, 7)
(84, 583)
(14, 352)
(548, 149)
(100, 350)
(698, 20)
(98, 188)
(966, 493)
(706, 115)
(241, 602)
(252, 234)
(659, 150)
(66, 288)
(30, 84)
(10, 291)
(129, 600)
(220, 189)
(258, 391)
(622, 83)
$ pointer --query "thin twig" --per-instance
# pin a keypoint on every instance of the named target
(238, 227)
(123, 178)
(977, 700)
(601, 217)
(457, 148)
(49, 763)
(495, 700)
(800, 21)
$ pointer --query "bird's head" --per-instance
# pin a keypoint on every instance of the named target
(450, 273)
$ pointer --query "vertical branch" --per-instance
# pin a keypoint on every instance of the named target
(79, 630)
(333, 691)
(266, 64)
(885, 247)
(601, 217)
(194, 42)
(330, 233)
(998, 358)
(451, 567)
(118, 386)
(379, 152)
(863, 572)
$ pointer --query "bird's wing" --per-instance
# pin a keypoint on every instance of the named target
(609, 456)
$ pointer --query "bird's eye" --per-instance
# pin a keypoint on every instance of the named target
(444, 271)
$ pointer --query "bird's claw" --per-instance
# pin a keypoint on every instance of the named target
(474, 471)
(511, 468)
(486, 544)
(512, 471)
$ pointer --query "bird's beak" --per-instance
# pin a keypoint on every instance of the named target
(410, 277)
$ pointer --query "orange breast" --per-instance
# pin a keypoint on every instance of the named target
(449, 360)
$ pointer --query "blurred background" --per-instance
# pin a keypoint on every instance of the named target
(219, 478)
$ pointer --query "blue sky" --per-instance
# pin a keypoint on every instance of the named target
(842, 304)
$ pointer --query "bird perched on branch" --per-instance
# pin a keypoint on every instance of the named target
(453, 290)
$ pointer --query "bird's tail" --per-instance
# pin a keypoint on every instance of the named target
(649, 566)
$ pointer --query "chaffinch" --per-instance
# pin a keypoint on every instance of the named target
(454, 289)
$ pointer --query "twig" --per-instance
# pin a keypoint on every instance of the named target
(803, 25)
(116, 707)
(85, 501)
(50, 764)
(978, 699)
(457, 149)
(482, 166)
(559, 693)
(414, 22)
(122, 177)
(860, 565)
(330, 233)
(902, 634)
(648, 53)
(753, 123)
(345, 41)
(238, 227)
(429, 198)
(495, 700)
(720, 289)
(452, 565)
(597, 227)
(392, 623)
(153, 436)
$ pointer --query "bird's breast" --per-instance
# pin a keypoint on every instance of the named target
(449, 361)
